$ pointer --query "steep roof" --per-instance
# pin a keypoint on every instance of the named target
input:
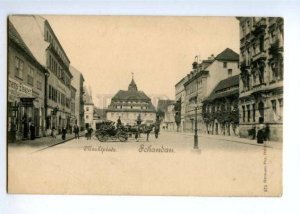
(228, 55)
(15, 38)
(225, 88)
(30, 29)
(132, 86)
(131, 95)
(87, 98)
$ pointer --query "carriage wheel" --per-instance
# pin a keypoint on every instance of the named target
(122, 137)
(102, 137)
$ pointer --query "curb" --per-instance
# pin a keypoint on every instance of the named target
(55, 144)
(233, 140)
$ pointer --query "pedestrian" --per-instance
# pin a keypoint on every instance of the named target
(32, 131)
(63, 133)
(53, 132)
(260, 133)
(119, 122)
(157, 127)
(86, 133)
(90, 131)
(267, 132)
(76, 131)
(253, 132)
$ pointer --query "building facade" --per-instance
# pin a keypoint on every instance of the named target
(73, 112)
(220, 108)
(180, 99)
(129, 105)
(88, 109)
(261, 79)
(202, 80)
(26, 89)
(77, 83)
(46, 48)
(168, 122)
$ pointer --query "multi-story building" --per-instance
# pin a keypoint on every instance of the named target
(26, 89)
(77, 82)
(202, 80)
(73, 112)
(88, 109)
(261, 79)
(165, 110)
(131, 104)
(220, 108)
(46, 48)
(180, 99)
(168, 122)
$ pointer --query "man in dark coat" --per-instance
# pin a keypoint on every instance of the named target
(76, 131)
(63, 133)
(157, 126)
(261, 132)
(32, 131)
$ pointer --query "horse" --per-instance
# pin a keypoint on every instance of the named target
(137, 130)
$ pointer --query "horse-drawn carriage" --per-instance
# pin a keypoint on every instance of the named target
(108, 130)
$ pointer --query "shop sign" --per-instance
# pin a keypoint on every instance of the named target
(17, 89)
(27, 101)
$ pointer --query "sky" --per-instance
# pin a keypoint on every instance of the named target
(159, 50)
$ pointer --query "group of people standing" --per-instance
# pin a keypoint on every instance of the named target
(260, 133)
(88, 132)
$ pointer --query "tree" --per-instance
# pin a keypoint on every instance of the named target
(177, 109)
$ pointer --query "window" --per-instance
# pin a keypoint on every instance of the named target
(39, 81)
(248, 113)
(248, 24)
(273, 105)
(274, 108)
(224, 64)
(86, 116)
(50, 92)
(244, 113)
(243, 30)
(58, 97)
(19, 65)
(87, 108)
(30, 76)
(253, 112)
(280, 101)
(229, 72)
(261, 44)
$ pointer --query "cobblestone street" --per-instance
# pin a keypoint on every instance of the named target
(221, 166)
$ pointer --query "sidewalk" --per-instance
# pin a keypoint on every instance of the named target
(44, 141)
(235, 139)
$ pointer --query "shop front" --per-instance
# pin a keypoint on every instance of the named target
(20, 110)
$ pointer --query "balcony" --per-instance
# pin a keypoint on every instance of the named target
(275, 47)
(259, 27)
(259, 56)
(257, 88)
(244, 65)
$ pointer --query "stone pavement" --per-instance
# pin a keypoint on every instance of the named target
(45, 141)
(235, 139)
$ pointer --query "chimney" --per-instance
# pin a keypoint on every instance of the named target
(211, 57)
(195, 65)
